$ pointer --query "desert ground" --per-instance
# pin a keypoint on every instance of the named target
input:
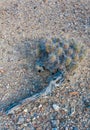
(22, 23)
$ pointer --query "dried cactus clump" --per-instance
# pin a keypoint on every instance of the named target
(60, 55)
(49, 47)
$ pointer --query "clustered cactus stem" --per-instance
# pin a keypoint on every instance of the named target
(57, 54)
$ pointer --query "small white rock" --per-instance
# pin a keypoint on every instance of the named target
(66, 128)
(40, 106)
(56, 107)
(25, 124)
(20, 120)
(25, 110)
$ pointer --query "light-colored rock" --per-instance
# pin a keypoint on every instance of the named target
(56, 107)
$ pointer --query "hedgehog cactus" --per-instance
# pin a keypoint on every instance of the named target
(81, 57)
(68, 61)
(52, 58)
(77, 47)
(70, 51)
(75, 57)
(57, 54)
(49, 47)
(73, 66)
(59, 51)
(66, 45)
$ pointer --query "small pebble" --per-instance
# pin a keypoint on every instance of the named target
(20, 120)
(75, 128)
(25, 110)
(56, 107)
(54, 129)
(66, 128)
(87, 102)
(53, 123)
(40, 106)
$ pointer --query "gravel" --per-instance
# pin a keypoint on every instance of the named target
(68, 106)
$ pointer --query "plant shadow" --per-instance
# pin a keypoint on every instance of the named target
(29, 82)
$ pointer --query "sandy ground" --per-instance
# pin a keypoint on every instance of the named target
(21, 22)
